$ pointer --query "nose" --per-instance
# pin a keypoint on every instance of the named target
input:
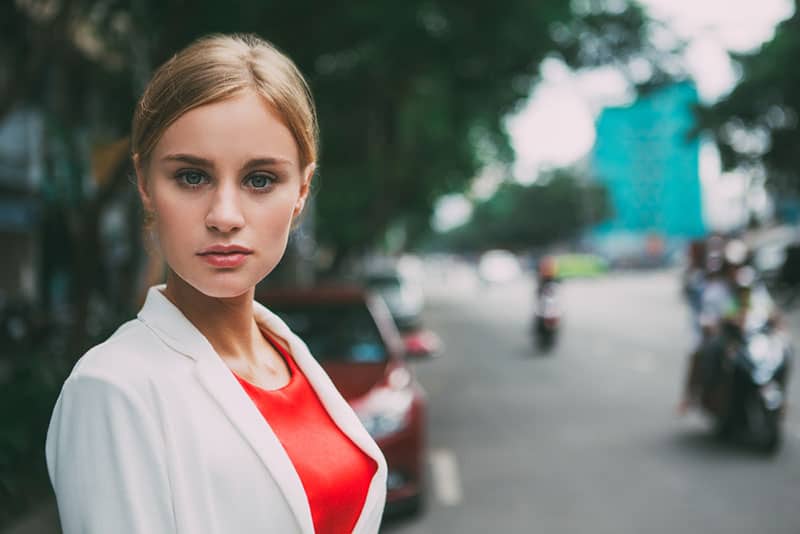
(225, 213)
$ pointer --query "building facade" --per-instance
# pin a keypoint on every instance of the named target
(650, 167)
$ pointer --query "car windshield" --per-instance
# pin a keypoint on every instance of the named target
(384, 282)
(335, 332)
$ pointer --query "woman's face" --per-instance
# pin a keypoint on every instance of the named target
(225, 183)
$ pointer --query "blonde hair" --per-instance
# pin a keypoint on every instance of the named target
(214, 68)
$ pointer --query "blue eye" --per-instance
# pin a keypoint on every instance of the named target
(260, 181)
(191, 178)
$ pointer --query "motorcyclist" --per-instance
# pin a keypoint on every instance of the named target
(546, 272)
(694, 276)
(724, 302)
(545, 322)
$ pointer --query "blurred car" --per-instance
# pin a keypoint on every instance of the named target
(350, 331)
(404, 298)
(499, 266)
(580, 265)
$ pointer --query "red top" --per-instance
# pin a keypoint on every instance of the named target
(335, 473)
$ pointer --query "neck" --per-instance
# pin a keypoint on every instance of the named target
(227, 323)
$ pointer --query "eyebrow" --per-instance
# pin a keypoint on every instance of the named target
(203, 162)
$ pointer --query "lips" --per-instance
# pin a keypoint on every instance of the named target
(226, 256)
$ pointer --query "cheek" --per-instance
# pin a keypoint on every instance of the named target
(271, 219)
(176, 217)
(178, 221)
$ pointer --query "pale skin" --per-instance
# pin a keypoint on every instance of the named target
(226, 173)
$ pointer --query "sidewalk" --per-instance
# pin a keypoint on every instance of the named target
(44, 520)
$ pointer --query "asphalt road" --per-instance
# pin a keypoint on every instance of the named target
(586, 439)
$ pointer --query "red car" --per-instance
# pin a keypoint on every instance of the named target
(351, 333)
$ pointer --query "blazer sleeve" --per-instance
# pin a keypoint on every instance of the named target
(105, 456)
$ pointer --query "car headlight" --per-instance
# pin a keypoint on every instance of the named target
(385, 412)
(380, 425)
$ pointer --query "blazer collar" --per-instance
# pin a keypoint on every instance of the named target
(172, 326)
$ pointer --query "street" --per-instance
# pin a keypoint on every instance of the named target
(586, 439)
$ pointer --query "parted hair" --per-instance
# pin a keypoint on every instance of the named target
(214, 68)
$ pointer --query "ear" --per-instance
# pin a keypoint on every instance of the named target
(305, 187)
(141, 184)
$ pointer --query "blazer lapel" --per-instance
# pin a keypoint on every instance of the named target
(348, 422)
(240, 409)
(331, 399)
(169, 323)
(340, 412)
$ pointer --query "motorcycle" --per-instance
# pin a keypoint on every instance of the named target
(547, 318)
(747, 391)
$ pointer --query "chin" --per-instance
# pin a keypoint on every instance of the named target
(221, 285)
(227, 284)
(225, 291)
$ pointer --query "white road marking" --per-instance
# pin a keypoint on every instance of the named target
(446, 482)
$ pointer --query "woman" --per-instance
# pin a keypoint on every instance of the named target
(206, 414)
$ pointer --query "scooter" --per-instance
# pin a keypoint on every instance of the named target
(747, 391)
(547, 318)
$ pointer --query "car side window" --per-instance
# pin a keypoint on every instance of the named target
(336, 333)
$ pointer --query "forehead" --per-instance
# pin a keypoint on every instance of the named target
(241, 127)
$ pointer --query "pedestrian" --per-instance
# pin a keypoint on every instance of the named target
(205, 413)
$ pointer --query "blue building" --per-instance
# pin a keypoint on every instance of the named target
(650, 167)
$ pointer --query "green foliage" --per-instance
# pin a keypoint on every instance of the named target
(757, 122)
(520, 217)
(406, 91)
(26, 402)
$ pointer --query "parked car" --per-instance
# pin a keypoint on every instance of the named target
(404, 298)
(350, 331)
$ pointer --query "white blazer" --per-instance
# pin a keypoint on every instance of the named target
(153, 434)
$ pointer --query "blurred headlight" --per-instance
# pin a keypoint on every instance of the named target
(385, 412)
(380, 425)
(767, 354)
(759, 348)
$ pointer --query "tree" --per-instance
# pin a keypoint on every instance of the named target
(522, 217)
(418, 99)
(407, 92)
(411, 95)
(756, 124)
